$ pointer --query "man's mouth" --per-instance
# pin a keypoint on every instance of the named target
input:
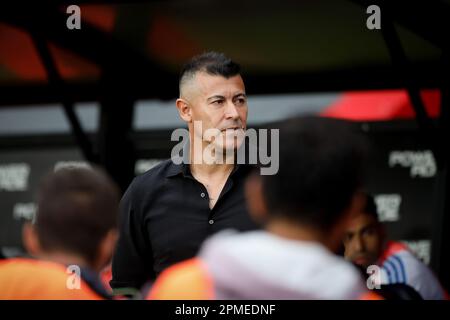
(231, 129)
(361, 260)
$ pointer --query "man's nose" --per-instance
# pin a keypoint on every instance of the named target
(359, 244)
(231, 111)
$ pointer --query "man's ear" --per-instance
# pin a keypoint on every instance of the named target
(106, 249)
(184, 109)
(30, 239)
(255, 198)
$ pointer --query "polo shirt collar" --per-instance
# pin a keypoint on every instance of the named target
(180, 164)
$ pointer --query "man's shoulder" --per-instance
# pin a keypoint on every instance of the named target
(149, 181)
(410, 269)
(154, 175)
(406, 266)
(404, 256)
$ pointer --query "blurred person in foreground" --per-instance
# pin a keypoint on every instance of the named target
(70, 242)
(366, 244)
(304, 209)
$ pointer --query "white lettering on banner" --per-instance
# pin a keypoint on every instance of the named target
(422, 163)
(25, 211)
(421, 249)
(388, 206)
(71, 164)
(14, 176)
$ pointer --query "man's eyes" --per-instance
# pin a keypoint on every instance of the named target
(239, 101)
(368, 231)
(348, 237)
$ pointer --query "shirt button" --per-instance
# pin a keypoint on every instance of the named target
(202, 194)
(211, 221)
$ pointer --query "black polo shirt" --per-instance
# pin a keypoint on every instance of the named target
(165, 217)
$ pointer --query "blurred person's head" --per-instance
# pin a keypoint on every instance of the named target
(365, 236)
(322, 164)
(76, 218)
(212, 93)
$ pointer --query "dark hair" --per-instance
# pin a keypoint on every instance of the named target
(76, 209)
(213, 63)
(370, 207)
(321, 166)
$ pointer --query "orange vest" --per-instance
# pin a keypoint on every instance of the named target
(30, 279)
(188, 280)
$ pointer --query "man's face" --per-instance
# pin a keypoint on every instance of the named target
(363, 240)
(219, 103)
